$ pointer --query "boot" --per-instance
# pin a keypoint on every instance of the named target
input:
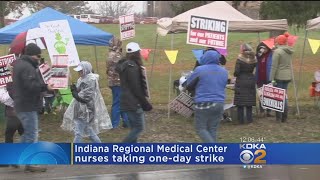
(34, 168)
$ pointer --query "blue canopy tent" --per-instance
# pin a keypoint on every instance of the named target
(83, 33)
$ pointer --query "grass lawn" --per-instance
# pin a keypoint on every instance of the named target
(178, 129)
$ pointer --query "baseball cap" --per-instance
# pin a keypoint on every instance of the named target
(78, 68)
(132, 47)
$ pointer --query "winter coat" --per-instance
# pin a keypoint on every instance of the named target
(209, 79)
(268, 68)
(281, 63)
(27, 85)
(6, 99)
(133, 91)
(113, 58)
(245, 90)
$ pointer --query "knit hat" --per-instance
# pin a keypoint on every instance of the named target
(282, 39)
(32, 49)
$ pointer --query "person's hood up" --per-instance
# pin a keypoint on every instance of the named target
(210, 57)
(248, 57)
(115, 44)
(85, 67)
(287, 49)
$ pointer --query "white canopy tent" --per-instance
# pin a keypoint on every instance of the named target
(312, 25)
(238, 22)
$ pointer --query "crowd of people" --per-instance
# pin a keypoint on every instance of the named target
(87, 115)
(252, 70)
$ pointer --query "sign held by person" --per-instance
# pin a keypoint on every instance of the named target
(183, 105)
(273, 98)
(5, 74)
(127, 27)
(46, 72)
(59, 40)
(58, 74)
(209, 32)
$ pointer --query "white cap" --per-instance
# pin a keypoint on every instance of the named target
(132, 47)
(78, 68)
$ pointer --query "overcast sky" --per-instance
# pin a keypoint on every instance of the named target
(138, 7)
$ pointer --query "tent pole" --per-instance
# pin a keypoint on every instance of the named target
(154, 54)
(295, 91)
(95, 55)
(170, 79)
(301, 59)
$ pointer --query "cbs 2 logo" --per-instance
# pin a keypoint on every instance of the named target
(246, 156)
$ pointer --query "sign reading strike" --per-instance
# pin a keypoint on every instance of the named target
(208, 32)
(182, 104)
(5, 74)
(273, 98)
(127, 29)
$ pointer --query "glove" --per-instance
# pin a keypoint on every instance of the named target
(76, 96)
(73, 87)
(147, 107)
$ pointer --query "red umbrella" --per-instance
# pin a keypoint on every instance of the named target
(19, 43)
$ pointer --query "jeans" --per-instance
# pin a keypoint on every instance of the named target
(13, 125)
(48, 104)
(80, 127)
(283, 85)
(241, 114)
(207, 122)
(136, 123)
(115, 110)
(29, 121)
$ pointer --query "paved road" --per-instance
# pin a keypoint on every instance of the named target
(142, 172)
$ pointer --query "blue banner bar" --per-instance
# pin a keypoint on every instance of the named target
(161, 153)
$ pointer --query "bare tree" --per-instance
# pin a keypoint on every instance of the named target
(114, 8)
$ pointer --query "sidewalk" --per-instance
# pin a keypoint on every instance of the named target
(63, 171)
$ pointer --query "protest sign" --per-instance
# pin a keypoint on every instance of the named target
(46, 72)
(59, 40)
(273, 98)
(207, 32)
(59, 72)
(5, 74)
(182, 104)
(127, 27)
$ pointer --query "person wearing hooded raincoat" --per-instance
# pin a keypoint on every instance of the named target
(245, 90)
(209, 81)
(114, 82)
(87, 115)
(281, 70)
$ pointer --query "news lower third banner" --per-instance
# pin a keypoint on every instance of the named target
(161, 153)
